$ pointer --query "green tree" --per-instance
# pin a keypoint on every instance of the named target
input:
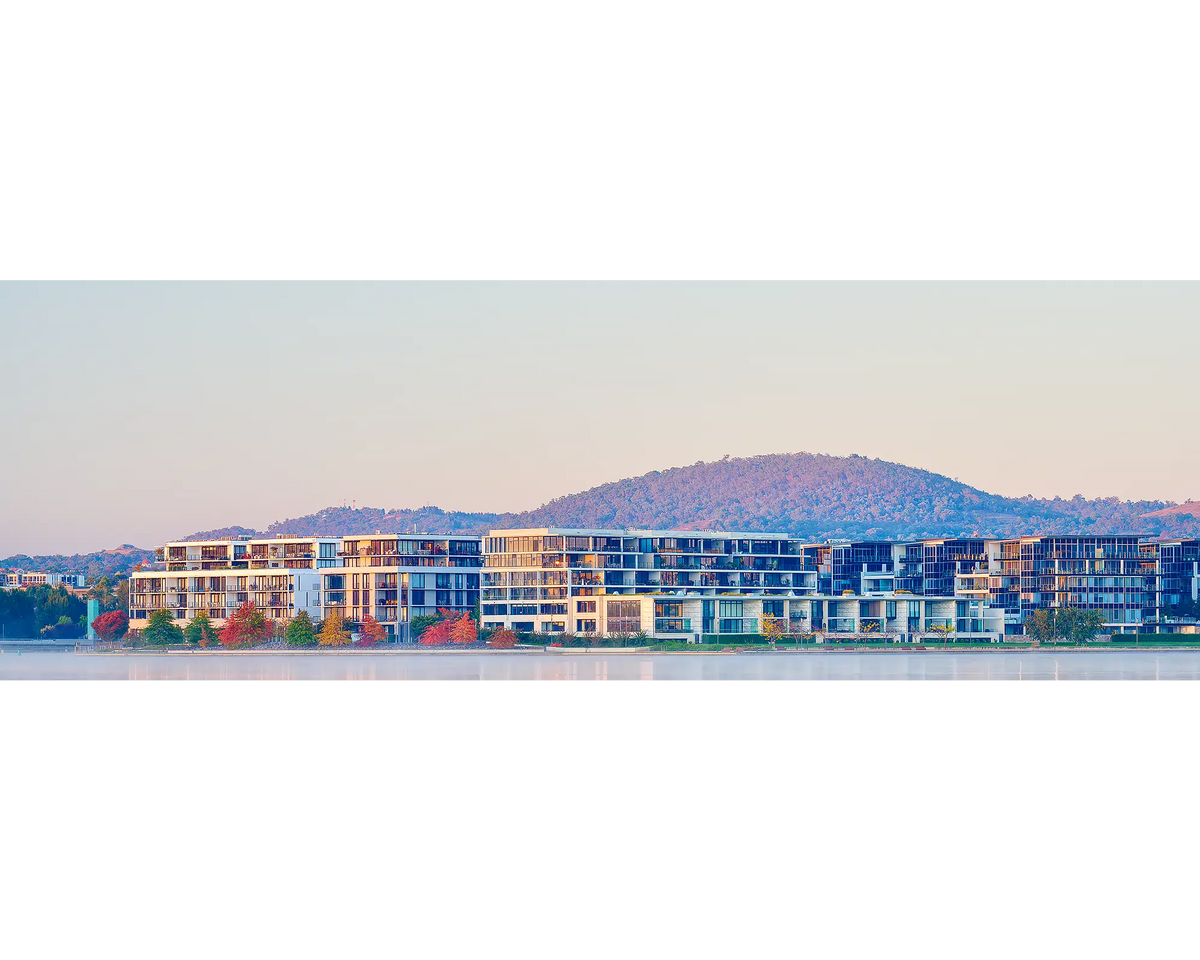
(162, 630)
(420, 624)
(1039, 625)
(301, 632)
(200, 630)
(1083, 625)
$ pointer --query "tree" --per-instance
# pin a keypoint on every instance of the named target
(772, 628)
(245, 627)
(300, 632)
(463, 631)
(420, 624)
(162, 630)
(944, 630)
(436, 634)
(200, 630)
(111, 626)
(1083, 625)
(64, 629)
(1040, 626)
(333, 631)
(371, 632)
(503, 639)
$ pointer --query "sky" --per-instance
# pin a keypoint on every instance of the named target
(138, 412)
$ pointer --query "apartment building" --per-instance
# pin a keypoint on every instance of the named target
(246, 553)
(676, 583)
(687, 584)
(391, 578)
(18, 579)
(395, 578)
(1113, 574)
(278, 575)
(1177, 573)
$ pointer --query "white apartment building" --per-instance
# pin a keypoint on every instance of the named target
(16, 579)
(390, 577)
(246, 553)
(278, 575)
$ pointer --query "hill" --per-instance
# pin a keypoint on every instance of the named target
(812, 495)
(1180, 510)
(95, 565)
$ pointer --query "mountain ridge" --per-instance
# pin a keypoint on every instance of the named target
(810, 495)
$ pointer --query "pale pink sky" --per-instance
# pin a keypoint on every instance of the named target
(135, 412)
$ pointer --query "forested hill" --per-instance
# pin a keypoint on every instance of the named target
(94, 565)
(820, 496)
(812, 495)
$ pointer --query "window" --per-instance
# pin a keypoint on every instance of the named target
(585, 606)
(624, 616)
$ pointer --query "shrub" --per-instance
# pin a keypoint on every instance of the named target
(503, 639)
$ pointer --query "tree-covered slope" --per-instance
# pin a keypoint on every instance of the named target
(809, 494)
(812, 495)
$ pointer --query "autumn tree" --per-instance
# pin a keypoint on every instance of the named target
(301, 632)
(503, 639)
(371, 632)
(463, 630)
(333, 631)
(200, 631)
(162, 630)
(436, 634)
(772, 628)
(111, 626)
(245, 627)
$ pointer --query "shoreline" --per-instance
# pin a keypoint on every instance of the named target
(635, 651)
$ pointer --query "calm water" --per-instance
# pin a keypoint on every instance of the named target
(1048, 665)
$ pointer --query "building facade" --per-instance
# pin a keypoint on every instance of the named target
(18, 579)
(395, 578)
(679, 584)
(690, 585)
(280, 576)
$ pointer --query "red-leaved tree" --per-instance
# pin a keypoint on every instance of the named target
(436, 634)
(462, 630)
(370, 632)
(245, 627)
(503, 639)
(111, 626)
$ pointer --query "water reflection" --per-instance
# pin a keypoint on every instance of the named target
(1015, 665)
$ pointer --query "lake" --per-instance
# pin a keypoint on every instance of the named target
(1014, 665)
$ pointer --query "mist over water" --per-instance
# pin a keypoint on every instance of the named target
(1023, 665)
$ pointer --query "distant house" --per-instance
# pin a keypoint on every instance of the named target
(18, 579)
